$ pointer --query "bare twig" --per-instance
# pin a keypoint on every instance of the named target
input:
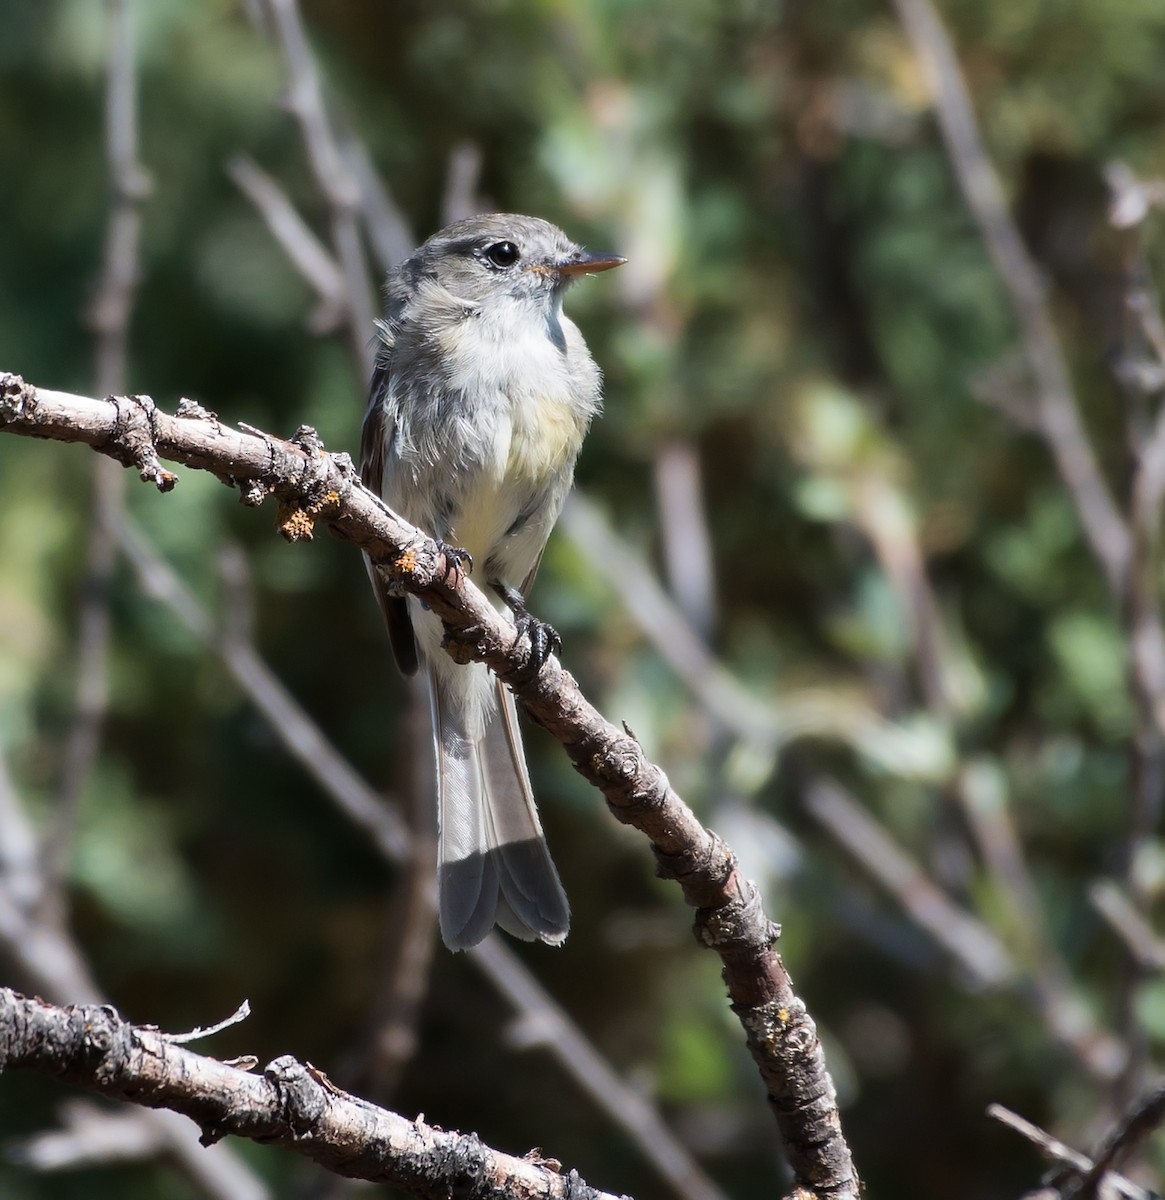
(883, 514)
(306, 102)
(967, 939)
(311, 485)
(462, 179)
(981, 794)
(204, 1031)
(977, 950)
(1142, 614)
(683, 526)
(20, 875)
(389, 232)
(546, 1025)
(1144, 1116)
(1129, 923)
(382, 1054)
(1060, 423)
(769, 724)
(1055, 1150)
(290, 1104)
(1131, 198)
(109, 317)
(301, 736)
(297, 240)
(89, 1136)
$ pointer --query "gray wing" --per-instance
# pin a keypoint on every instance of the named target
(375, 439)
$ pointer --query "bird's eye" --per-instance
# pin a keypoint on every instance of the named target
(502, 254)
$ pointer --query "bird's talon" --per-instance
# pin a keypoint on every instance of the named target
(458, 561)
(544, 639)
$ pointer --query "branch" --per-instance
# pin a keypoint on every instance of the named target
(291, 1104)
(768, 723)
(967, 939)
(296, 239)
(1059, 420)
(1072, 1162)
(306, 103)
(311, 485)
(1142, 1118)
(109, 318)
(1129, 924)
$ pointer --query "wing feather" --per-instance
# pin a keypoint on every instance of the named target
(375, 442)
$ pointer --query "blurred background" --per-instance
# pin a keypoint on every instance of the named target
(834, 558)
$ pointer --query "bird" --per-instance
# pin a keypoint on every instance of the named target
(482, 393)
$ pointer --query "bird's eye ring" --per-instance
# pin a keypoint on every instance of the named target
(502, 254)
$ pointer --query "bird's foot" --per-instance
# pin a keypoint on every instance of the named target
(458, 561)
(544, 638)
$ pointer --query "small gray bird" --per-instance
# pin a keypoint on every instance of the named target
(481, 397)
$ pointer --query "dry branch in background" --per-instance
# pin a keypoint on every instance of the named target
(109, 319)
(310, 485)
(1072, 1166)
(1056, 409)
(290, 1104)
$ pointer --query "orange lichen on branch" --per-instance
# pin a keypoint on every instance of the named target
(295, 524)
(329, 502)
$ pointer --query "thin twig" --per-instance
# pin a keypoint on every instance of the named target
(204, 1031)
(980, 791)
(1144, 1116)
(88, 1136)
(306, 102)
(301, 736)
(546, 1025)
(109, 317)
(21, 878)
(1060, 423)
(462, 179)
(379, 1058)
(390, 235)
(1142, 619)
(1128, 923)
(882, 513)
(289, 1104)
(1057, 1151)
(684, 533)
(768, 724)
(965, 937)
(297, 240)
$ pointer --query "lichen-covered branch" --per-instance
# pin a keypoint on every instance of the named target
(311, 486)
(289, 1104)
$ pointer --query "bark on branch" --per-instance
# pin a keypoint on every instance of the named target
(290, 1104)
(310, 486)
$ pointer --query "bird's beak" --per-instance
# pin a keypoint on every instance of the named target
(584, 262)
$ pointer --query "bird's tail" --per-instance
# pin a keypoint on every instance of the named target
(493, 863)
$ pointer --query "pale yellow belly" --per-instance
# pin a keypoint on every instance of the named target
(539, 445)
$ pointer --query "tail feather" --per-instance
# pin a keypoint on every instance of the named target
(493, 863)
